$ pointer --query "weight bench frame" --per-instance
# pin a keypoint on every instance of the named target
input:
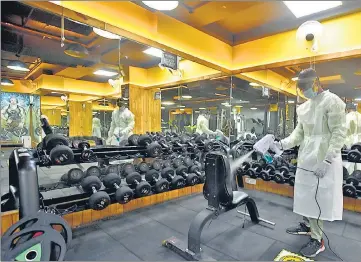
(219, 187)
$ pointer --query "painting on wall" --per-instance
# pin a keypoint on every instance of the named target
(20, 116)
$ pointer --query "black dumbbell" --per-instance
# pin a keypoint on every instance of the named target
(176, 181)
(127, 169)
(196, 170)
(153, 148)
(345, 173)
(354, 155)
(133, 140)
(177, 162)
(86, 153)
(123, 193)
(243, 168)
(291, 180)
(187, 161)
(166, 163)
(280, 176)
(93, 171)
(191, 178)
(143, 167)
(112, 169)
(352, 182)
(142, 188)
(57, 147)
(157, 165)
(74, 176)
(99, 199)
(254, 171)
(268, 173)
(160, 185)
(206, 143)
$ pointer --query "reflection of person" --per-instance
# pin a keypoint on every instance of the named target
(122, 124)
(97, 127)
(321, 133)
(14, 114)
(203, 124)
(353, 125)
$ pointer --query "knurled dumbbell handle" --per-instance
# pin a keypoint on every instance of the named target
(116, 186)
(94, 190)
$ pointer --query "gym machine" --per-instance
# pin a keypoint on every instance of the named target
(222, 193)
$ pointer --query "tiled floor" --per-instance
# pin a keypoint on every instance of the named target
(138, 235)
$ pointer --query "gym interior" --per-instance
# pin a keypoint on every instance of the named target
(157, 130)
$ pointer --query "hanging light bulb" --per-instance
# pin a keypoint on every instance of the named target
(161, 5)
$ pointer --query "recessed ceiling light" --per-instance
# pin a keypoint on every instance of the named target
(357, 99)
(18, 66)
(106, 34)
(196, 111)
(182, 109)
(202, 108)
(167, 103)
(304, 8)
(244, 101)
(162, 107)
(253, 108)
(182, 106)
(186, 96)
(254, 84)
(154, 52)
(6, 82)
(294, 78)
(238, 106)
(291, 101)
(161, 5)
(102, 72)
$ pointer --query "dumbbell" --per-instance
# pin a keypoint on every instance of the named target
(352, 182)
(157, 165)
(244, 167)
(123, 193)
(160, 185)
(143, 167)
(268, 173)
(142, 188)
(177, 162)
(166, 163)
(176, 181)
(279, 177)
(254, 171)
(86, 153)
(345, 173)
(354, 155)
(187, 161)
(207, 144)
(57, 147)
(291, 180)
(93, 171)
(99, 199)
(133, 140)
(191, 178)
(127, 169)
(74, 176)
(196, 170)
(153, 148)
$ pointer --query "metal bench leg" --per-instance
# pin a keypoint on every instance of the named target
(253, 213)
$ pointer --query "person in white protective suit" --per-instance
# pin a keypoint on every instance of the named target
(121, 126)
(97, 126)
(203, 124)
(353, 125)
(320, 133)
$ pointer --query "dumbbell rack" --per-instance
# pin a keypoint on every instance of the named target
(351, 204)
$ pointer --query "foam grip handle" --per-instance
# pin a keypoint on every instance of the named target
(45, 125)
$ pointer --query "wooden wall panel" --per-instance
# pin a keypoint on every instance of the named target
(54, 116)
(80, 118)
(145, 108)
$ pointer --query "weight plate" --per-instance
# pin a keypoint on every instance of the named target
(154, 150)
(349, 191)
(112, 169)
(133, 140)
(291, 181)
(354, 156)
(99, 201)
(192, 179)
(111, 179)
(345, 173)
(178, 182)
(187, 161)
(143, 167)
(167, 163)
(93, 171)
(279, 178)
(87, 154)
(89, 182)
(133, 177)
(124, 195)
(144, 140)
(128, 168)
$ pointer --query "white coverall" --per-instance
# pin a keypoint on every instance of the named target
(121, 127)
(353, 125)
(97, 127)
(320, 133)
(203, 126)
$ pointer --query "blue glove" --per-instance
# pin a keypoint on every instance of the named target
(322, 168)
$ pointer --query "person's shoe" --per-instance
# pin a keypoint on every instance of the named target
(312, 248)
(301, 229)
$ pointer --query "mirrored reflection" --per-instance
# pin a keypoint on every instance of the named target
(201, 107)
